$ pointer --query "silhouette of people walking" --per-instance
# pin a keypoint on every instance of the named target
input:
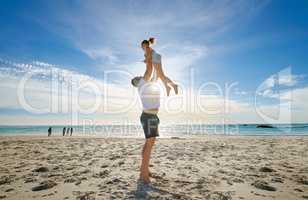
(49, 131)
(63, 133)
(71, 131)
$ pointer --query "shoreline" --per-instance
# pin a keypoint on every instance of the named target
(160, 137)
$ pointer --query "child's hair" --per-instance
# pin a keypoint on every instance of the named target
(150, 41)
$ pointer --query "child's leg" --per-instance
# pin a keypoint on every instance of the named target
(165, 79)
(175, 86)
(160, 74)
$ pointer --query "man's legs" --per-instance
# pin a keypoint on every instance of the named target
(146, 154)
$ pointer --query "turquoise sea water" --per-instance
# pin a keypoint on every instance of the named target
(165, 131)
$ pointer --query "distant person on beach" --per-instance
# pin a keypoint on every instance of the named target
(63, 132)
(149, 93)
(67, 131)
(49, 131)
(71, 131)
(153, 58)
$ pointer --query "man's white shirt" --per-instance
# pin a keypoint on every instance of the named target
(149, 92)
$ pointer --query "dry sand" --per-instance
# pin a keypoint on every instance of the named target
(214, 167)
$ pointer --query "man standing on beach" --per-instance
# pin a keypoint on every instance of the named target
(149, 92)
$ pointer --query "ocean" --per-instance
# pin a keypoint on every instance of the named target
(165, 131)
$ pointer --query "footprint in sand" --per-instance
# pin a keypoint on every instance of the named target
(263, 186)
(41, 170)
(266, 169)
(44, 185)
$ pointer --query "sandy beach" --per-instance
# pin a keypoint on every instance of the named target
(213, 167)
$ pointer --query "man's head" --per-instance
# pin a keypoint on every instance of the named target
(135, 81)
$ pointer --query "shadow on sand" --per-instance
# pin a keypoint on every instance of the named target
(148, 191)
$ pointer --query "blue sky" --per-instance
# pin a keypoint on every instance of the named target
(246, 42)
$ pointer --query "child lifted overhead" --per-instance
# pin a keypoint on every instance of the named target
(154, 59)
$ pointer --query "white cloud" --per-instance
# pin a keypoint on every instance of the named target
(53, 88)
(283, 80)
(105, 55)
(108, 31)
(278, 83)
(42, 64)
(291, 108)
(290, 80)
(175, 65)
(298, 98)
(122, 100)
(281, 98)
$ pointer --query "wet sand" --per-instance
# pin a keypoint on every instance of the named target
(213, 167)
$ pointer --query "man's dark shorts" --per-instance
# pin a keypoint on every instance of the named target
(150, 124)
